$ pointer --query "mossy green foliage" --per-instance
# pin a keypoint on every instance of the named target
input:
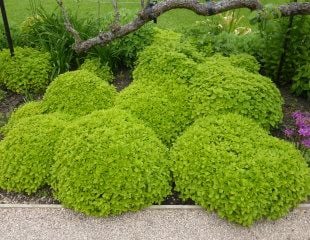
(229, 164)
(245, 61)
(219, 87)
(95, 66)
(159, 94)
(26, 153)
(167, 55)
(78, 93)
(27, 72)
(28, 109)
(164, 107)
(108, 163)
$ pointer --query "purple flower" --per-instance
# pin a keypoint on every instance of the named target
(302, 120)
(305, 131)
(306, 143)
(297, 115)
(288, 132)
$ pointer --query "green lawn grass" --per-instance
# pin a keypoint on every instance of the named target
(18, 10)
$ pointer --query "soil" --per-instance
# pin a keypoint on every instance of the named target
(123, 79)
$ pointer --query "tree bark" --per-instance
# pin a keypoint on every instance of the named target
(148, 14)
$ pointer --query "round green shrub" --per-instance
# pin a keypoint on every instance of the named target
(227, 163)
(108, 163)
(169, 56)
(95, 66)
(221, 88)
(163, 107)
(28, 109)
(245, 61)
(242, 60)
(26, 153)
(27, 72)
(78, 93)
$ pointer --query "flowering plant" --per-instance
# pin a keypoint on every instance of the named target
(300, 133)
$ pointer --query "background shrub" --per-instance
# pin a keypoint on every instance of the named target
(301, 81)
(28, 72)
(78, 93)
(27, 153)
(230, 165)
(220, 88)
(108, 163)
(96, 67)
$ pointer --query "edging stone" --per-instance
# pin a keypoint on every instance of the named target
(153, 207)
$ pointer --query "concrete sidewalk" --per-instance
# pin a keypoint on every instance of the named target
(37, 223)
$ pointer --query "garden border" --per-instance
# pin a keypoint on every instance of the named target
(153, 207)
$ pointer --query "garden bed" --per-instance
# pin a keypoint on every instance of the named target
(45, 196)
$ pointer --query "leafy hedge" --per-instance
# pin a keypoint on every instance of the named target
(220, 88)
(27, 72)
(102, 71)
(229, 164)
(26, 153)
(108, 163)
(78, 93)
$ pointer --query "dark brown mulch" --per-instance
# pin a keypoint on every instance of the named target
(11, 101)
(123, 79)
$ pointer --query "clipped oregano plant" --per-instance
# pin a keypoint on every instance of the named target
(218, 87)
(95, 66)
(163, 107)
(27, 151)
(108, 163)
(228, 164)
(28, 109)
(78, 93)
(27, 72)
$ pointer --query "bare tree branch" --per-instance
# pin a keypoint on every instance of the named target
(150, 13)
(116, 12)
(75, 34)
